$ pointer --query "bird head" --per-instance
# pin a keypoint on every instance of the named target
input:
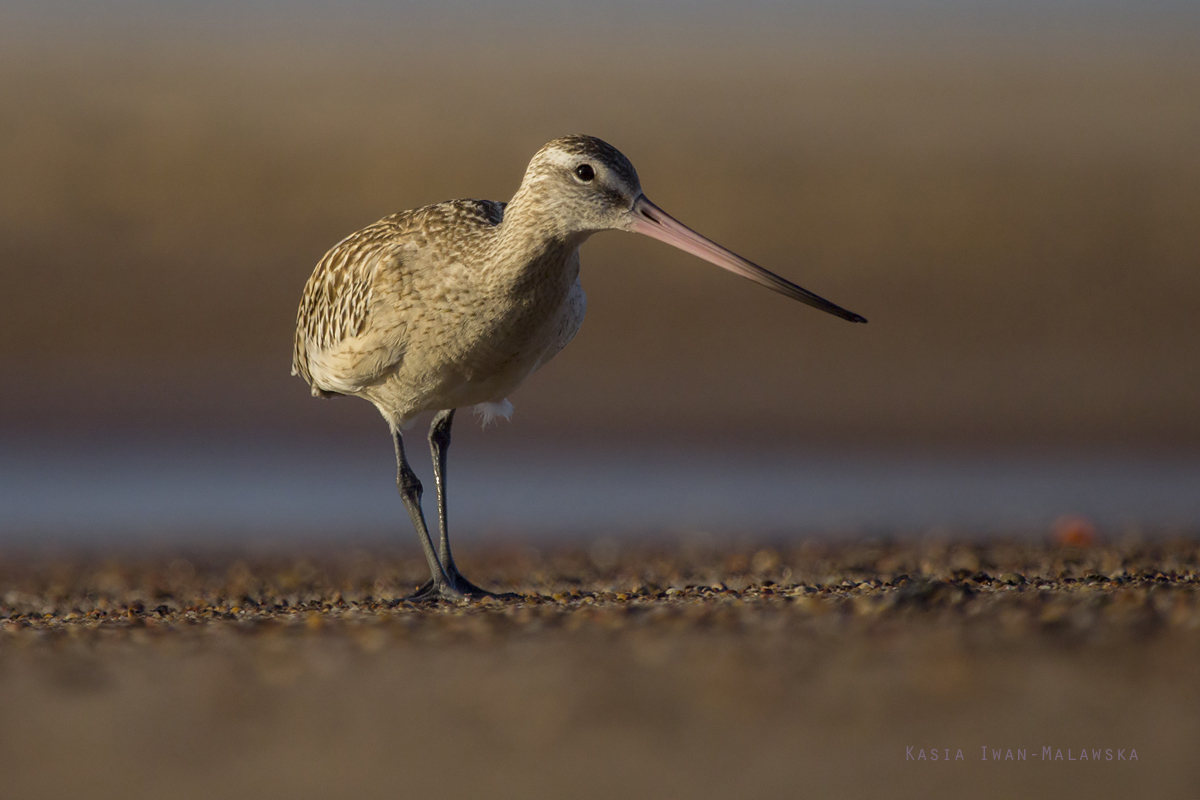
(585, 185)
(582, 183)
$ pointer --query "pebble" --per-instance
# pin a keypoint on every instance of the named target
(1019, 588)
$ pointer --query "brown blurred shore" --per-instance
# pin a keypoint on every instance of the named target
(1015, 214)
(623, 671)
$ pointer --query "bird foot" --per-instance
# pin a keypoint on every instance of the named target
(429, 593)
(458, 590)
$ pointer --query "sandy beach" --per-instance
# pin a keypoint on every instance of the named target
(669, 671)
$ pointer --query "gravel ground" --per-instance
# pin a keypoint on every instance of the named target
(697, 668)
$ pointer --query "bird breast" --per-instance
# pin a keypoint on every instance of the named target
(476, 332)
(485, 322)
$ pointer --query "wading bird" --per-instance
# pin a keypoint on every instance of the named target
(455, 304)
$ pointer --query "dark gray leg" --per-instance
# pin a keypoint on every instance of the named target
(439, 584)
(439, 443)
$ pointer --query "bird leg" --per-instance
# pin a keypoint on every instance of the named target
(439, 443)
(440, 584)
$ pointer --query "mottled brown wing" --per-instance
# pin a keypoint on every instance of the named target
(337, 301)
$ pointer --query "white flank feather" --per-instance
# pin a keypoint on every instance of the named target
(487, 412)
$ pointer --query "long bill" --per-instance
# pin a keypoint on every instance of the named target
(651, 220)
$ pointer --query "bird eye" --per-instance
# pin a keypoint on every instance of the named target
(585, 172)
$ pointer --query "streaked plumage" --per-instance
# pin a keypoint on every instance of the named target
(456, 304)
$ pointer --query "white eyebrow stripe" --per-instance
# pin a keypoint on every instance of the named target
(561, 158)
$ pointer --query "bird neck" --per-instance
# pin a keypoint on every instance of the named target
(535, 236)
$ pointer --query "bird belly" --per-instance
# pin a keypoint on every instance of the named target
(486, 368)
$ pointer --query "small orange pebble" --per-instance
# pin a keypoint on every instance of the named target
(1073, 530)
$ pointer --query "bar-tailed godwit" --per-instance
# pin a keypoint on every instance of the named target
(455, 304)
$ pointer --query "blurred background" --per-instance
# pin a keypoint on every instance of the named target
(1009, 191)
